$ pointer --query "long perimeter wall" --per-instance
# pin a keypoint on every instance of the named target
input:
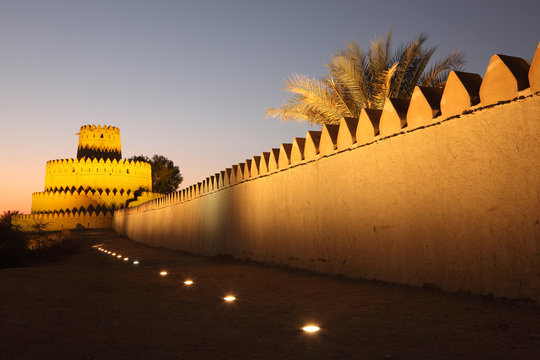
(455, 205)
(449, 201)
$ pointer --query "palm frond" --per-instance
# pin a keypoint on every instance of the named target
(414, 72)
(290, 112)
(439, 71)
(312, 97)
(357, 79)
(344, 103)
(347, 71)
(407, 60)
(383, 91)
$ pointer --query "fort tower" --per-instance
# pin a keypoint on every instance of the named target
(86, 190)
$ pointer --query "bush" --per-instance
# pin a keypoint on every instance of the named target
(53, 245)
(20, 249)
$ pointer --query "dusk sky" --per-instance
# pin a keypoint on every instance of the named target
(190, 79)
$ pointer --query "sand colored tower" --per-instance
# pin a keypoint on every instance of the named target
(99, 142)
(86, 190)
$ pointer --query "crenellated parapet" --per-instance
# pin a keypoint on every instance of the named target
(506, 79)
(99, 142)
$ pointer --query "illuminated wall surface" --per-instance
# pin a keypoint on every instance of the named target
(83, 192)
(443, 191)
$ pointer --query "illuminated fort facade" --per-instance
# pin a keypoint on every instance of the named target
(85, 191)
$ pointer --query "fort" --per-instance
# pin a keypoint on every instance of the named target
(440, 191)
(84, 192)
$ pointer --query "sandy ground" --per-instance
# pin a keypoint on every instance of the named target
(91, 306)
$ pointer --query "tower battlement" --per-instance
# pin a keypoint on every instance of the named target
(99, 142)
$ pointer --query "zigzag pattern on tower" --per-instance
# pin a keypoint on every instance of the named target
(62, 200)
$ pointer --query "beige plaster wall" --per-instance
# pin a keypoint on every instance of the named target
(455, 205)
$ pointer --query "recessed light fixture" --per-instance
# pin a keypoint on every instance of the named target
(311, 328)
(229, 298)
(135, 262)
(163, 273)
(188, 282)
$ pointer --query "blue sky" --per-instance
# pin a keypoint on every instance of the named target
(190, 79)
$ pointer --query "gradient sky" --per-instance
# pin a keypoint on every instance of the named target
(190, 79)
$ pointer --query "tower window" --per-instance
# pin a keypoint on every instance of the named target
(102, 136)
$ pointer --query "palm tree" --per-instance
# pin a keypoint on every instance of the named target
(357, 79)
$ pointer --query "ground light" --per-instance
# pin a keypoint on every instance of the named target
(188, 282)
(119, 256)
(229, 298)
(311, 328)
(126, 259)
(135, 262)
(113, 254)
(163, 273)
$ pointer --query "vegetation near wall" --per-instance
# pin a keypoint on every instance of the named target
(19, 249)
(439, 191)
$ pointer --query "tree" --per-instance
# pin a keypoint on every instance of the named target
(165, 175)
(356, 79)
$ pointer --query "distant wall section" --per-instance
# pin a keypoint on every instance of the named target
(56, 221)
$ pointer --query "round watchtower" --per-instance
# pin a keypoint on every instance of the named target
(99, 142)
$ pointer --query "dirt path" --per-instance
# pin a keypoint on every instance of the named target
(91, 306)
